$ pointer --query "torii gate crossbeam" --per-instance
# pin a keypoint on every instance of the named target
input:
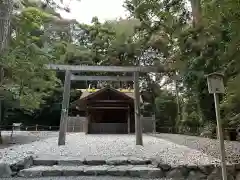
(101, 78)
(85, 68)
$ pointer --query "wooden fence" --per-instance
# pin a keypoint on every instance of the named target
(148, 124)
(77, 124)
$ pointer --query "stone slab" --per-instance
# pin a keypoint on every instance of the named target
(138, 161)
(146, 172)
(96, 170)
(207, 169)
(52, 171)
(121, 170)
(32, 172)
(94, 160)
(72, 170)
(57, 160)
(5, 170)
(164, 167)
(23, 164)
(179, 173)
(41, 171)
(84, 178)
(196, 175)
(122, 160)
(45, 160)
(217, 174)
(70, 162)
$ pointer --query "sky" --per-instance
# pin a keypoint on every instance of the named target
(84, 10)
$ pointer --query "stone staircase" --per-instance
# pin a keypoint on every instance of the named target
(49, 166)
(46, 166)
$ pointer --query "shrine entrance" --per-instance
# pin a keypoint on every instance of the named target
(108, 121)
(108, 111)
(135, 70)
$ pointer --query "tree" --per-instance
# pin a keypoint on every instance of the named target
(192, 46)
(68, 42)
(162, 33)
(23, 61)
(6, 10)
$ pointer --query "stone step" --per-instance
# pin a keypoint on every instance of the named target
(75, 161)
(83, 178)
(141, 171)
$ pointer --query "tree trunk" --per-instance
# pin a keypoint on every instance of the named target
(199, 110)
(196, 12)
(184, 113)
(197, 18)
(1, 113)
(6, 12)
(178, 102)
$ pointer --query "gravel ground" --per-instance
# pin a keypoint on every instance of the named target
(24, 137)
(82, 178)
(107, 146)
(206, 145)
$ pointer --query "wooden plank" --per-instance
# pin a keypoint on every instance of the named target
(65, 106)
(105, 68)
(101, 78)
(138, 124)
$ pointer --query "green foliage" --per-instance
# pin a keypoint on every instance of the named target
(166, 110)
(194, 49)
(24, 60)
(159, 33)
(32, 45)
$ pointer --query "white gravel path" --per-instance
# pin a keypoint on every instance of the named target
(206, 145)
(107, 146)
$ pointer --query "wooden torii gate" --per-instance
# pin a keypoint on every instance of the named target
(68, 69)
